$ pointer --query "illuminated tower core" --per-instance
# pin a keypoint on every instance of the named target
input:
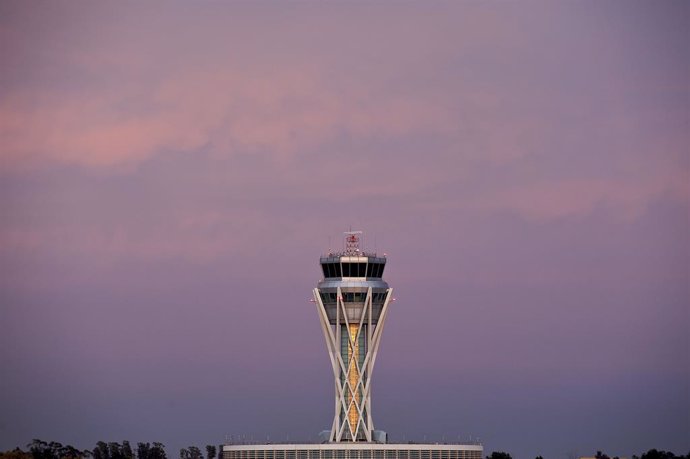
(352, 300)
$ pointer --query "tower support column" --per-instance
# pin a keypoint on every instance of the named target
(352, 336)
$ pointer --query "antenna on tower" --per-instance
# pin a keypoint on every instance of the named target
(352, 242)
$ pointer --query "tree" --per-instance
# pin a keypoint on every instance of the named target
(16, 453)
(147, 451)
(142, 451)
(210, 452)
(499, 455)
(69, 452)
(55, 448)
(115, 450)
(157, 451)
(654, 454)
(43, 450)
(195, 453)
(220, 452)
(538, 457)
(101, 451)
(39, 449)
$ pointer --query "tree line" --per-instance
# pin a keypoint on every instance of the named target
(651, 454)
(39, 449)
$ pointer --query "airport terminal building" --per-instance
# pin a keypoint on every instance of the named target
(353, 450)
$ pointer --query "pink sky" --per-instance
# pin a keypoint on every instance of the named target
(171, 172)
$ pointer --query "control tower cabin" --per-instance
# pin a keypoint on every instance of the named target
(352, 301)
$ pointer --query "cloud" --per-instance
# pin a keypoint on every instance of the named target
(422, 113)
(580, 197)
(280, 114)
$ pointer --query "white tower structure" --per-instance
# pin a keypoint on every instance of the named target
(352, 301)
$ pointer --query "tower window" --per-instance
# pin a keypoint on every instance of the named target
(370, 269)
(332, 270)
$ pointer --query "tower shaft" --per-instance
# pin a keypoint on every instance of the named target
(353, 333)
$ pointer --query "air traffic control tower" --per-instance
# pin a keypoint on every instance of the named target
(352, 301)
